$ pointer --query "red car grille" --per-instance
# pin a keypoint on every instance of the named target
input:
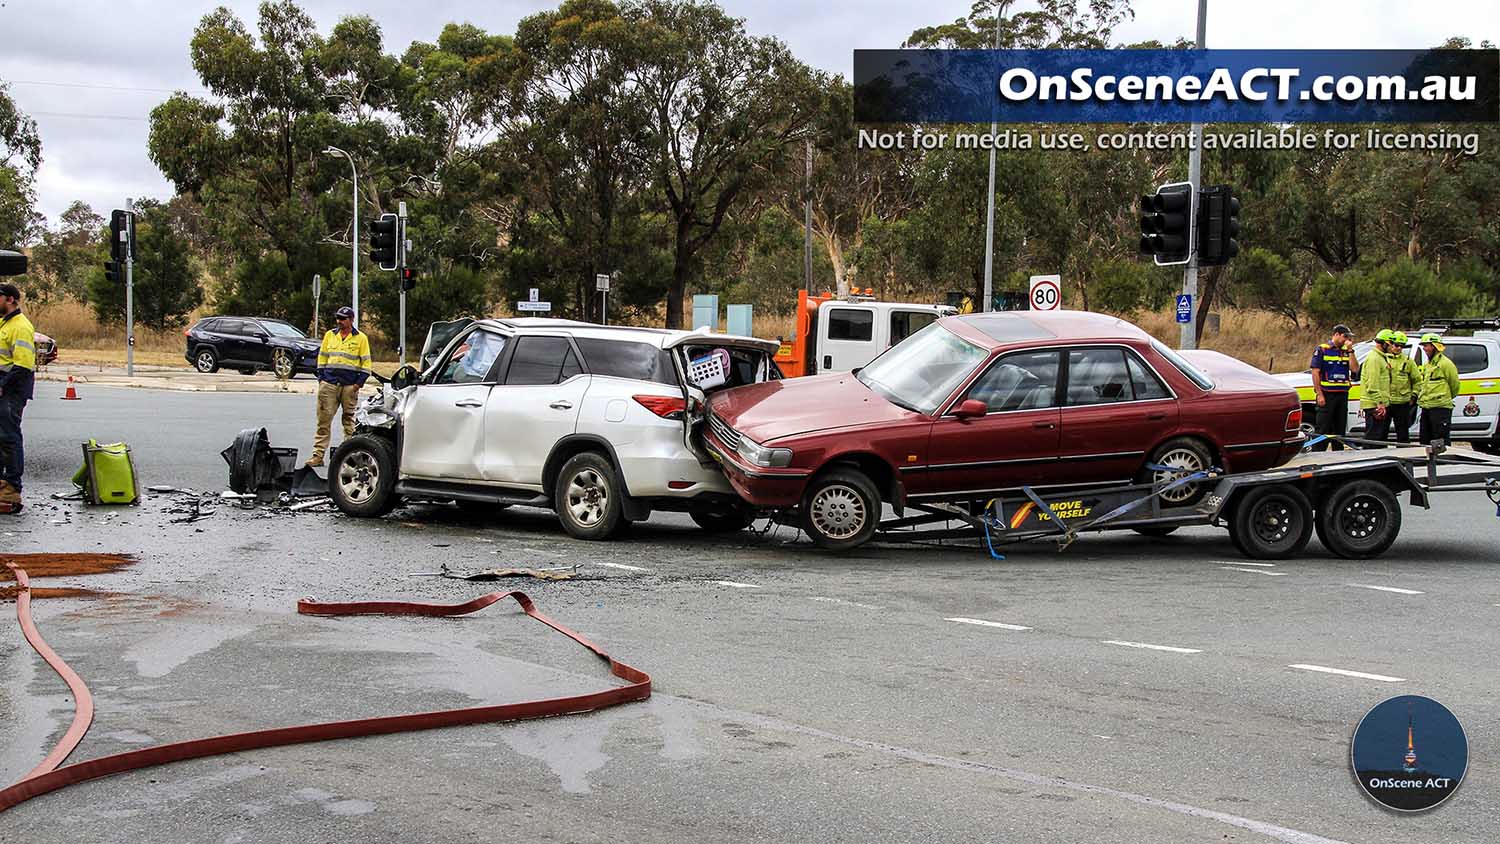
(726, 435)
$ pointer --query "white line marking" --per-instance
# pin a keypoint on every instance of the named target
(1242, 563)
(843, 603)
(982, 623)
(1387, 589)
(1257, 571)
(1167, 648)
(736, 584)
(623, 566)
(1360, 674)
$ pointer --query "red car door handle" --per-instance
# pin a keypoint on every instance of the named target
(1156, 417)
(1043, 425)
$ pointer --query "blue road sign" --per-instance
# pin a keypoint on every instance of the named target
(1184, 307)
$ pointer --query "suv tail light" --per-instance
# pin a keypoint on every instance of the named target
(1294, 420)
(667, 407)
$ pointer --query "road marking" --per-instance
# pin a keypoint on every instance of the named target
(736, 584)
(1168, 648)
(982, 623)
(1387, 589)
(1360, 674)
(1242, 563)
(623, 566)
(843, 603)
(1257, 571)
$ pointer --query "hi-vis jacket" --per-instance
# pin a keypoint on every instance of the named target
(1440, 383)
(1375, 378)
(1333, 366)
(344, 360)
(17, 355)
(1406, 377)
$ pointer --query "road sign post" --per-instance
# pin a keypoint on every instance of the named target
(317, 294)
(601, 282)
(129, 237)
(1045, 293)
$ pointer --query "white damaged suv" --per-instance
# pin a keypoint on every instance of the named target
(588, 420)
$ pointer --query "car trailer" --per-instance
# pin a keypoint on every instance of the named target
(1348, 497)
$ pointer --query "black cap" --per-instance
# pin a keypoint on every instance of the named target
(345, 312)
(1343, 329)
(8, 289)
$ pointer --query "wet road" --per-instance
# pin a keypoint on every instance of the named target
(1127, 690)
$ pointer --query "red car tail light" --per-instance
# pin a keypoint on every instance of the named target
(1294, 420)
(667, 407)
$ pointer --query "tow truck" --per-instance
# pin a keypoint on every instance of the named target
(841, 334)
(1348, 498)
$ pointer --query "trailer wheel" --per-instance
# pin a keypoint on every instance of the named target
(1272, 522)
(1359, 519)
(841, 509)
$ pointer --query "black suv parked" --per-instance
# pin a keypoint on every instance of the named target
(250, 344)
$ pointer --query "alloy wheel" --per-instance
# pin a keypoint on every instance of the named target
(837, 511)
(205, 361)
(282, 365)
(1180, 462)
(359, 475)
(588, 496)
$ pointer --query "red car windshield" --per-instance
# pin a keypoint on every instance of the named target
(920, 372)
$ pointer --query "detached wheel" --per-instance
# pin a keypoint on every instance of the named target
(1272, 522)
(1155, 530)
(206, 361)
(1178, 457)
(283, 364)
(587, 497)
(722, 517)
(362, 476)
(1359, 520)
(841, 509)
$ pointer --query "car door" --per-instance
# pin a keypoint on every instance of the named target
(846, 337)
(1114, 408)
(442, 425)
(1014, 444)
(229, 340)
(534, 405)
(257, 343)
(1478, 402)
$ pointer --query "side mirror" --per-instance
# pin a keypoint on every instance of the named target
(404, 377)
(971, 409)
(261, 335)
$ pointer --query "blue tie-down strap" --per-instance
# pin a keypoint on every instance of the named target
(997, 521)
(1314, 441)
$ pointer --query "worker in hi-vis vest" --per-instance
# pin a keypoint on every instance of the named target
(343, 366)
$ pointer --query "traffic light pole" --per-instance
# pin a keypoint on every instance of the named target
(989, 220)
(401, 278)
(1189, 336)
(129, 286)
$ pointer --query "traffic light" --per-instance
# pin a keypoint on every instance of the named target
(1218, 225)
(383, 239)
(112, 272)
(1167, 223)
(408, 278)
(121, 235)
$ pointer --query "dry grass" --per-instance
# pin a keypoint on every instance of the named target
(73, 326)
(1258, 338)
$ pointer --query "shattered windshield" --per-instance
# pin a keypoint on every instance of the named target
(924, 369)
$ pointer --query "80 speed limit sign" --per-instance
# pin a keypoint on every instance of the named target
(1046, 292)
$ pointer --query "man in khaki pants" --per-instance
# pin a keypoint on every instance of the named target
(343, 366)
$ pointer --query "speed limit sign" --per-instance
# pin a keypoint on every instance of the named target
(1046, 292)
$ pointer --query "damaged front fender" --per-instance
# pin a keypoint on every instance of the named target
(383, 409)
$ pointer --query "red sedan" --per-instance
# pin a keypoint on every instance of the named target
(973, 405)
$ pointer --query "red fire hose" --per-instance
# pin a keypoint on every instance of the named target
(48, 777)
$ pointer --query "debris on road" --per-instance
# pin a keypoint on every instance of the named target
(553, 573)
(310, 504)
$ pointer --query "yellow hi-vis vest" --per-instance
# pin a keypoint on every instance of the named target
(17, 343)
(344, 360)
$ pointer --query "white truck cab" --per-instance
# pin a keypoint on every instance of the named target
(839, 335)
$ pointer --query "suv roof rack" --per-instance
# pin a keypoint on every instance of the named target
(1440, 325)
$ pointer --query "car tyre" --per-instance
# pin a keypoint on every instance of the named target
(1359, 519)
(841, 509)
(1155, 530)
(362, 476)
(1185, 455)
(206, 360)
(283, 365)
(1272, 522)
(722, 517)
(587, 497)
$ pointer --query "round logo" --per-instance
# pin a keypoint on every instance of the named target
(1409, 753)
(1472, 408)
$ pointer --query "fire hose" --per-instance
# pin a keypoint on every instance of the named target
(48, 776)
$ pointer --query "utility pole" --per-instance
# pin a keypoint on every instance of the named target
(317, 294)
(1189, 336)
(807, 222)
(989, 224)
(401, 247)
(129, 286)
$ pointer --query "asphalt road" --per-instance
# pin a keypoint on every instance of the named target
(798, 696)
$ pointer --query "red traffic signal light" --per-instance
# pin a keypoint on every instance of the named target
(408, 278)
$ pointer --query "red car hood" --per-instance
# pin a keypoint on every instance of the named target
(773, 409)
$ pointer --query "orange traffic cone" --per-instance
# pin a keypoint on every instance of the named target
(71, 394)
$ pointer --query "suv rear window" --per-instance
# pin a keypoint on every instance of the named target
(1468, 357)
(627, 359)
(540, 360)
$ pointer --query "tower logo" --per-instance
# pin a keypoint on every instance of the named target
(1409, 753)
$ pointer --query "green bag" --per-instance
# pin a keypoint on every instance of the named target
(107, 475)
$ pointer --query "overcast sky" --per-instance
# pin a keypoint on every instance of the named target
(94, 138)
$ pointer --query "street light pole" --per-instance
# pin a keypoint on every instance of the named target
(1188, 339)
(989, 224)
(354, 235)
